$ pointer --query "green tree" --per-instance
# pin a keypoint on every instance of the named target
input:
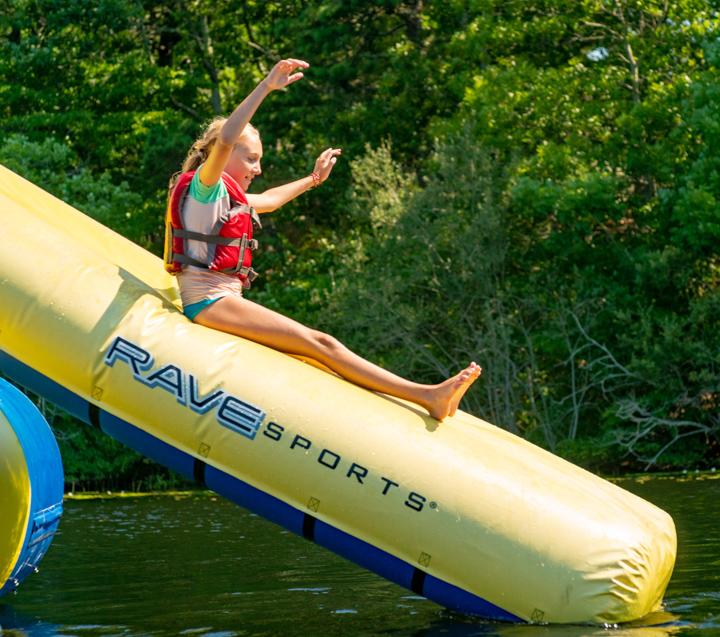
(571, 144)
(57, 169)
(610, 265)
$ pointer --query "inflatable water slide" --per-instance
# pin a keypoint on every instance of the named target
(460, 512)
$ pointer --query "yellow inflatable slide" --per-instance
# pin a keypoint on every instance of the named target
(461, 512)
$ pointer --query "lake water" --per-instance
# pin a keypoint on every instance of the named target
(197, 565)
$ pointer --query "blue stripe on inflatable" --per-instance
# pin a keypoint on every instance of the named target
(253, 499)
(461, 601)
(148, 445)
(45, 474)
(402, 573)
(350, 547)
(364, 554)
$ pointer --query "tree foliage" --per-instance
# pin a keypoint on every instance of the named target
(532, 185)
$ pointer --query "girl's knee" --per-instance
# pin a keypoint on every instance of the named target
(327, 342)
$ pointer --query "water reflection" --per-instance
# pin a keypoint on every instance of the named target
(455, 628)
(198, 565)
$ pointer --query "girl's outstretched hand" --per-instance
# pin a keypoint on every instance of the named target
(280, 76)
(325, 163)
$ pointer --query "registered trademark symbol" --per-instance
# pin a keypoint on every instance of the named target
(433, 505)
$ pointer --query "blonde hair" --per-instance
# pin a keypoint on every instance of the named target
(200, 150)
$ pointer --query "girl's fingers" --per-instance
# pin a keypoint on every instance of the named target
(326, 161)
(284, 68)
(295, 63)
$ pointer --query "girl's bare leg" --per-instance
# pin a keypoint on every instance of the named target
(254, 322)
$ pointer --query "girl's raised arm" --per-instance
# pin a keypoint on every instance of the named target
(280, 77)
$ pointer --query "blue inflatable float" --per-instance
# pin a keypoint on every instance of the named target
(31, 487)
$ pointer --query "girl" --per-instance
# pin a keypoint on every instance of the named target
(225, 160)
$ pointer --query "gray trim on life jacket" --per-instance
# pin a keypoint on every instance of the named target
(243, 243)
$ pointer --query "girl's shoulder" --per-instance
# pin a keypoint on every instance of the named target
(206, 194)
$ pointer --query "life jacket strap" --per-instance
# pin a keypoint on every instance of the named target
(186, 260)
(255, 217)
(239, 268)
(232, 242)
(248, 210)
(243, 243)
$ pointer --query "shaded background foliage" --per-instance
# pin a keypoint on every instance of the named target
(530, 185)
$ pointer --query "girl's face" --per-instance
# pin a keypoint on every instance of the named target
(244, 161)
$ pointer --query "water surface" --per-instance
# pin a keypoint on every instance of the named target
(198, 565)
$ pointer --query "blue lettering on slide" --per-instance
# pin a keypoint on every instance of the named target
(363, 476)
(201, 405)
(240, 416)
(139, 359)
(245, 418)
(232, 412)
(169, 377)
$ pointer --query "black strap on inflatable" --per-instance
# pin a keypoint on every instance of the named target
(309, 527)
(199, 472)
(418, 582)
(94, 415)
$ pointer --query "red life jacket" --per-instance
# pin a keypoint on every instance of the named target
(230, 245)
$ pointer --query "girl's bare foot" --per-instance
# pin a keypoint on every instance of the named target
(445, 397)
